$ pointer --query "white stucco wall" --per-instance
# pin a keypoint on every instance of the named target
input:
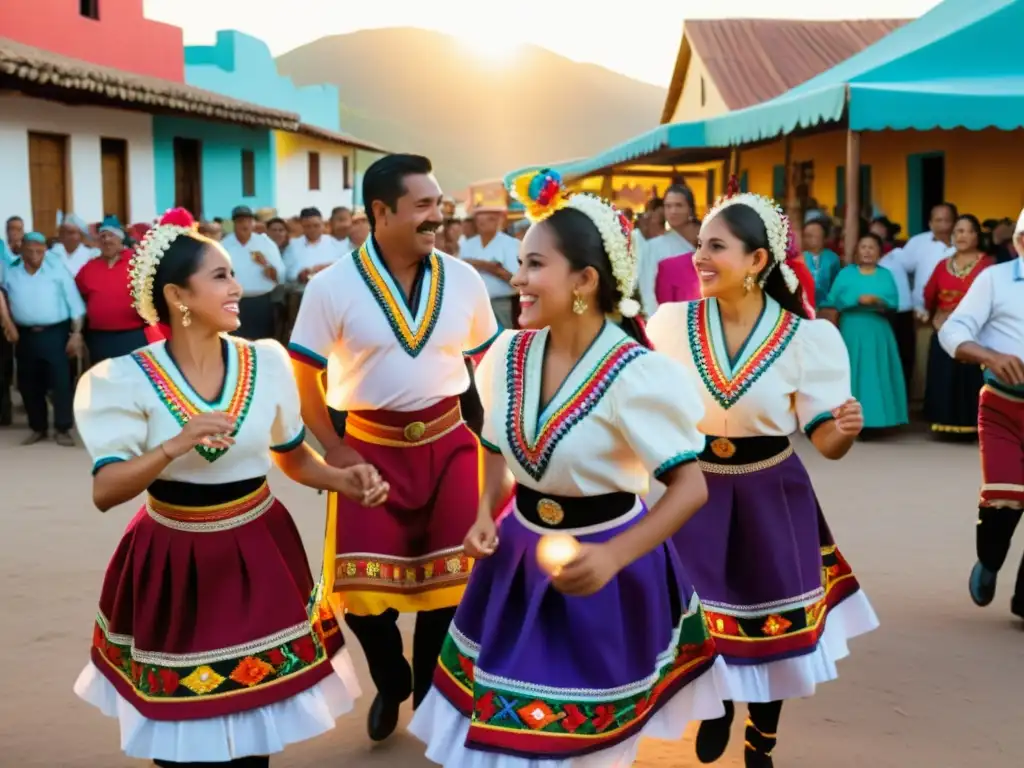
(84, 126)
(293, 192)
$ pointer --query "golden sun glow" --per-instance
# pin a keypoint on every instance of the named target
(491, 44)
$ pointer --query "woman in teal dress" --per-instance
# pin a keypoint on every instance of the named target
(822, 262)
(862, 294)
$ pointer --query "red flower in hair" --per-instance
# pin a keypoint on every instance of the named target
(733, 187)
(178, 217)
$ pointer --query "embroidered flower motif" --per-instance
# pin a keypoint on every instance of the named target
(114, 655)
(350, 569)
(136, 673)
(776, 625)
(453, 565)
(251, 671)
(538, 715)
(485, 707)
(604, 716)
(275, 657)
(373, 569)
(410, 575)
(573, 718)
(428, 571)
(642, 705)
(202, 680)
(467, 667)
(168, 681)
(305, 649)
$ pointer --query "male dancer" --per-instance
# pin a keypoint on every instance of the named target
(391, 323)
(987, 328)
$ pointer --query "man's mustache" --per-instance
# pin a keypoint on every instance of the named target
(430, 226)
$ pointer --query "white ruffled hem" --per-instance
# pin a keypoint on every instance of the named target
(444, 729)
(261, 731)
(798, 677)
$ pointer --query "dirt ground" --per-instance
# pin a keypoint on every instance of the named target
(941, 684)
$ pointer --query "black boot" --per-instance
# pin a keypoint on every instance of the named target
(760, 736)
(713, 735)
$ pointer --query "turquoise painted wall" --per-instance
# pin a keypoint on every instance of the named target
(222, 146)
(242, 67)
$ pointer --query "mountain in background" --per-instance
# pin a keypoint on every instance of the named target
(416, 90)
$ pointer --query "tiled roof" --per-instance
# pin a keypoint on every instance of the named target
(753, 60)
(336, 137)
(35, 71)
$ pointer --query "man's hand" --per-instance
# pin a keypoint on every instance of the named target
(1009, 369)
(75, 346)
(10, 332)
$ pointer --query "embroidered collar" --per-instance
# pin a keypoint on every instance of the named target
(768, 339)
(586, 384)
(184, 402)
(412, 331)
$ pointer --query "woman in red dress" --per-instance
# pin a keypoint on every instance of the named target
(952, 389)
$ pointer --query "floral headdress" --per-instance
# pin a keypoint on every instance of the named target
(542, 193)
(148, 253)
(776, 224)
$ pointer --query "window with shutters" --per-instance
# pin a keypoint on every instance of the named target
(314, 171)
(248, 173)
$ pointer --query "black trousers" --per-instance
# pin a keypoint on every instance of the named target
(103, 345)
(994, 534)
(382, 643)
(904, 328)
(256, 315)
(6, 380)
(42, 368)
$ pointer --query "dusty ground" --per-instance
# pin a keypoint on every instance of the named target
(939, 685)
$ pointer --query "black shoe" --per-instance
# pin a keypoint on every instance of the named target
(713, 735)
(982, 585)
(1017, 607)
(383, 718)
(754, 759)
(758, 747)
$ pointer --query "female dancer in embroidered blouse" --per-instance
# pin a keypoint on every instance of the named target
(582, 412)
(210, 644)
(761, 554)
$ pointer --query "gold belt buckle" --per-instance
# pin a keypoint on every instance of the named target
(550, 512)
(414, 431)
(723, 448)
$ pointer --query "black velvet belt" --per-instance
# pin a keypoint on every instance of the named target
(743, 450)
(563, 512)
(200, 495)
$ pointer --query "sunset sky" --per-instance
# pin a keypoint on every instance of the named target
(641, 42)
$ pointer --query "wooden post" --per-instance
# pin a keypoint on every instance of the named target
(608, 187)
(791, 205)
(851, 225)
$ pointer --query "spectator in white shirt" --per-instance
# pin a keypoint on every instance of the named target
(679, 213)
(496, 256)
(902, 320)
(360, 229)
(71, 251)
(918, 258)
(987, 328)
(312, 252)
(341, 225)
(258, 269)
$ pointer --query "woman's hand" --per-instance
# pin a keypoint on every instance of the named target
(210, 429)
(592, 568)
(849, 418)
(869, 300)
(343, 456)
(482, 539)
(362, 483)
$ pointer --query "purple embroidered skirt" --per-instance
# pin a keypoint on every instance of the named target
(529, 672)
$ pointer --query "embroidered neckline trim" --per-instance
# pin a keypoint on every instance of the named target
(412, 340)
(725, 389)
(534, 457)
(182, 404)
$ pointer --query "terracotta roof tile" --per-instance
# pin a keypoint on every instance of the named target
(337, 137)
(754, 60)
(35, 71)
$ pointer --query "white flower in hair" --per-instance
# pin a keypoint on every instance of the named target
(143, 265)
(776, 225)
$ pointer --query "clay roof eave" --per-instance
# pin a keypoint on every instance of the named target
(36, 72)
(337, 137)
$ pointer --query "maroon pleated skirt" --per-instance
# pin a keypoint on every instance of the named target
(209, 609)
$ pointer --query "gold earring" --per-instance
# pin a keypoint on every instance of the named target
(579, 304)
(748, 283)
(186, 316)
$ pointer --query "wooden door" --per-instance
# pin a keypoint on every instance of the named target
(188, 175)
(48, 180)
(115, 179)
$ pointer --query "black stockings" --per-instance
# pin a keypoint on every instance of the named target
(760, 735)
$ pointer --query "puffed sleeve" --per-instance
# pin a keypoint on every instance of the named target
(667, 329)
(484, 328)
(657, 409)
(318, 324)
(109, 414)
(490, 374)
(824, 373)
(287, 431)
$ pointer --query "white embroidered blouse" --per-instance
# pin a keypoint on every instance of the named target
(791, 373)
(622, 414)
(126, 406)
(383, 352)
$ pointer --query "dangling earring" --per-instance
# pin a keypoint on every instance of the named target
(748, 283)
(186, 316)
(579, 304)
